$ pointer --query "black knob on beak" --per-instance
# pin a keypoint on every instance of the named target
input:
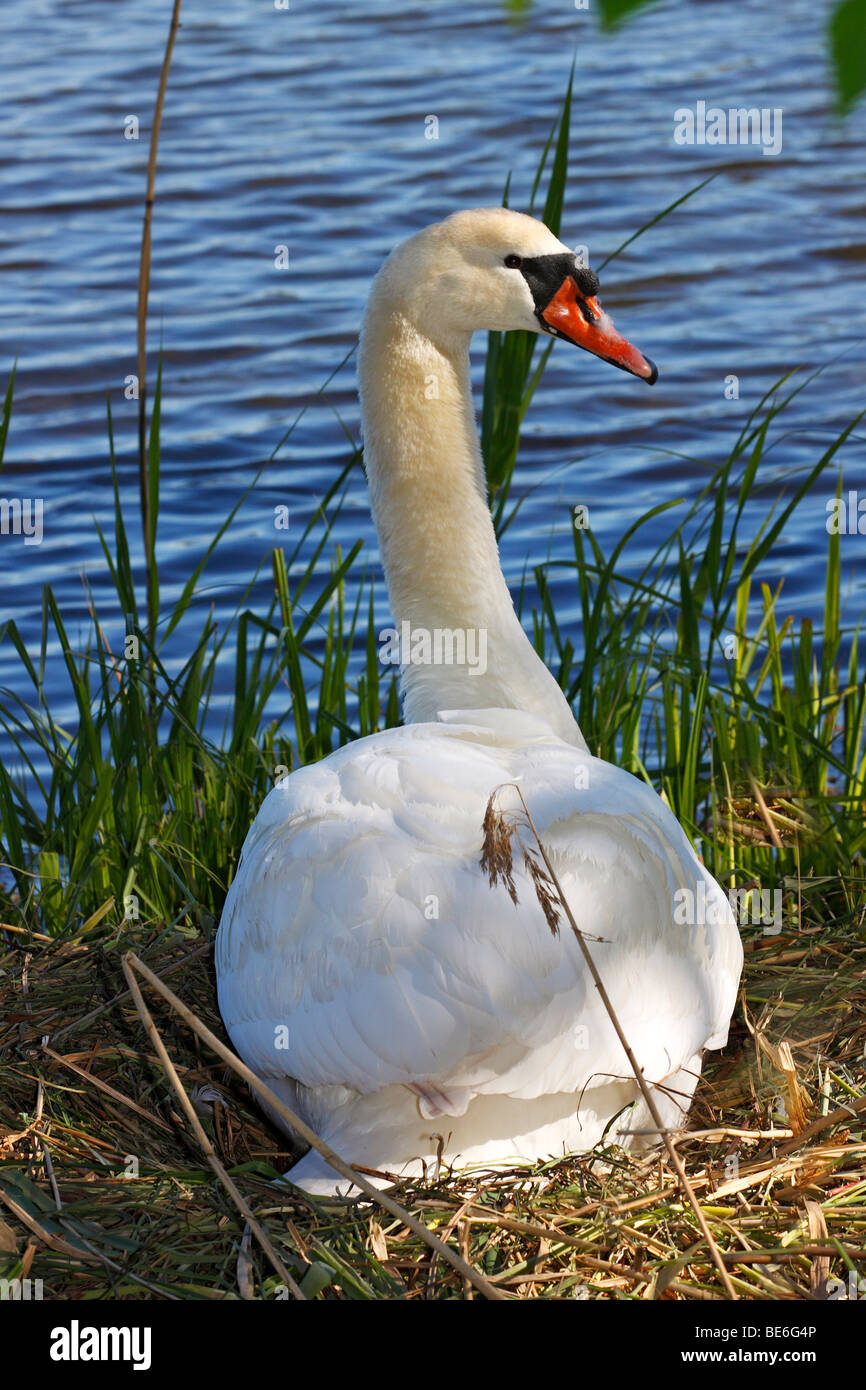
(586, 281)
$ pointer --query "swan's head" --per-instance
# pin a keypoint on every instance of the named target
(494, 269)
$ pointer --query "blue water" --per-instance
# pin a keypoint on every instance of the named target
(307, 128)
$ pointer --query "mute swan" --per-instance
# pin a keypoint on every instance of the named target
(366, 969)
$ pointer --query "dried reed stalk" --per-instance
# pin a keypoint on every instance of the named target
(143, 292)
(131, 963)
(498, 861)
(207, 1147)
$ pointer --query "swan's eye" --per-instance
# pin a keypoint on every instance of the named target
(513, 262)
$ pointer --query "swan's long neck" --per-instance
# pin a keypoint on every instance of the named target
(436, 535)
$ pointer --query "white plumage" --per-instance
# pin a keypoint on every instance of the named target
(366, 968)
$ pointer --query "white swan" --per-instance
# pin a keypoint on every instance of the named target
(366, 968)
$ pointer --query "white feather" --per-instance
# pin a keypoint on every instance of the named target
(361, 932)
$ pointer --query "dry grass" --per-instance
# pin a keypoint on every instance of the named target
(106, 1194)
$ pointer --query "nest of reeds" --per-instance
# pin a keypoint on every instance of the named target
(106, 1189)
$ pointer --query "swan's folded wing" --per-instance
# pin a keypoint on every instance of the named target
(362, 945)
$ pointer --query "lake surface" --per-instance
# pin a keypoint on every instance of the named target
(308, 128)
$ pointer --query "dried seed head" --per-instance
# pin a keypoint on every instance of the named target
(497, 859)
(544, 889)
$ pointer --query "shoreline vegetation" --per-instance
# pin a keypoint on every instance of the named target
(122, 834)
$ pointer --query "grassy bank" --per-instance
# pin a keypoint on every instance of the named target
(123, 831)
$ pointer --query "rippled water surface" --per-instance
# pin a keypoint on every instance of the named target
(307, 128)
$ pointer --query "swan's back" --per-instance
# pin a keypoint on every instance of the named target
(367, 969)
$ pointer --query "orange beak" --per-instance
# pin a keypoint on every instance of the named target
(582, 321)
